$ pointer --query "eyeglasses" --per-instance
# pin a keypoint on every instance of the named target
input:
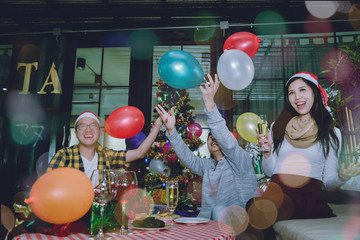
(93, 126)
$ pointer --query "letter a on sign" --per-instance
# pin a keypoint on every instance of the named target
(54, 81)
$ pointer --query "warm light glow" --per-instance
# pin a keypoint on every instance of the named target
(262, 213)
(355, 15)
(236, 217)
(296, 164)
(273, 192)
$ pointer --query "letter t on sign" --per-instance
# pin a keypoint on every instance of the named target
(28, 67)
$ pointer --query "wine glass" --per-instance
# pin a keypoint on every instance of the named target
(127, 186)
(105, 189)
(172, 197)
(262, 129)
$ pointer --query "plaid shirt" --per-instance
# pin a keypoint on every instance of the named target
(71, 157)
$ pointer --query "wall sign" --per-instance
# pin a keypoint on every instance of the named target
(52, 78)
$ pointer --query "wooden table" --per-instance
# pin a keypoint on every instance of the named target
(211, 230)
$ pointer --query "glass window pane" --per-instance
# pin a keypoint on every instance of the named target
(85, 76)
(116, 68)
(113, 98)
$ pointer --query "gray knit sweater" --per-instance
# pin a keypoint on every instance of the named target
(230, 182)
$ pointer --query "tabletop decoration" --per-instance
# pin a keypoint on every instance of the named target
(158, 178)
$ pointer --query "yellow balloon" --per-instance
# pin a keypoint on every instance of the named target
(246, 125)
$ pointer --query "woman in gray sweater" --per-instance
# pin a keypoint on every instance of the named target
(228, 177)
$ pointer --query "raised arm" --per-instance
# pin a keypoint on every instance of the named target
(168, 118)
(144, 147)
(185, 155)
(208, 91)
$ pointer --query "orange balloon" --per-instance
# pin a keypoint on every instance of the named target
(61, 196)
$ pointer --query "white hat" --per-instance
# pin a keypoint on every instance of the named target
(87, 114)
(312, 78)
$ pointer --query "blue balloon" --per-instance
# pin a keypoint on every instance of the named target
(135, 141)
(180, 70)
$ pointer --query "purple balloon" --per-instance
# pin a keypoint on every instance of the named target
(135, 141)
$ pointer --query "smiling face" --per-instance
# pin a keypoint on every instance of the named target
(212, 144)
(89, 134)
(301, 97)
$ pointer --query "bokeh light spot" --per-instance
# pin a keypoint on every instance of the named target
(205, 33)
(140, 204)
(23, 103)
(273, 192)
(142, 43)
(354, 17)
(224, 98)
(269, 16)
(295, 164)
(112, 39)
(338, 66)
(262, 213)
(321, 9)
(345, 7)
(234, 216)
(314, 25)
(22, 129)
(351, 228)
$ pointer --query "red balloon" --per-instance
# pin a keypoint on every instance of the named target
(194, 130)
(166, 147)
(124, 122)
(244, 41)
(61, 196)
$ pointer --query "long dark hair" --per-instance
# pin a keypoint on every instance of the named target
(326, 134)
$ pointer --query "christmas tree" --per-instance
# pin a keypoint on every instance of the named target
(163, 162)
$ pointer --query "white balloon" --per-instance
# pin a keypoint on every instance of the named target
(235, 69)
(158, 166)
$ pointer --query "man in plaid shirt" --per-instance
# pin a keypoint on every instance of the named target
(89, 155)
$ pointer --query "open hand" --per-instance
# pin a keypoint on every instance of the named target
(168, 118)
(208, 91)
(352, 170)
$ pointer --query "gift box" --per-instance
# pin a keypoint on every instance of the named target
(159, 196)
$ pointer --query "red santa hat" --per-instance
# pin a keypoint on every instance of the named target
(87, 114)
(312, 78)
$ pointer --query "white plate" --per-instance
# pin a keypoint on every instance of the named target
(149, 229)
(191, 220)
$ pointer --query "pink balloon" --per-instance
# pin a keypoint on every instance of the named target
(165, 149)
(244, 41)
(194, 130)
